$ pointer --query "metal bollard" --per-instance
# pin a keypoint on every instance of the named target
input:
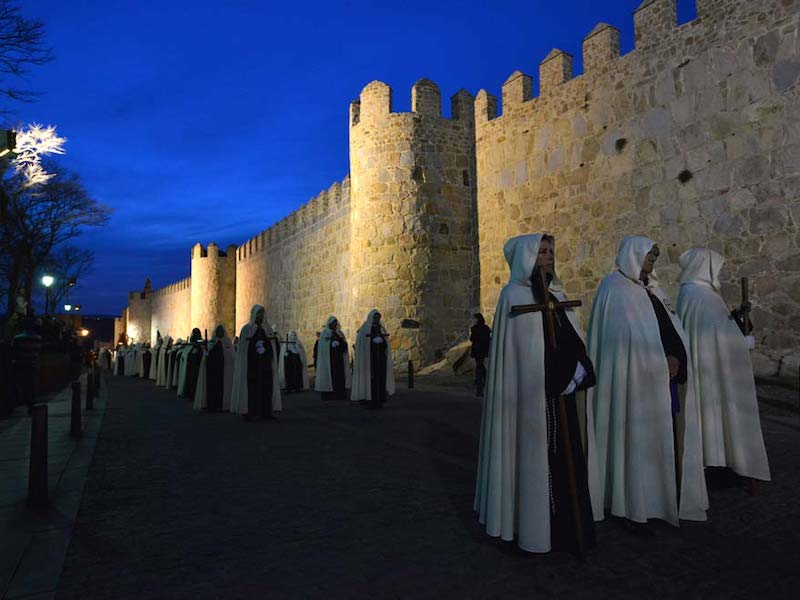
(37, 470)
(89, 391)
(75, 416)
(410, 375)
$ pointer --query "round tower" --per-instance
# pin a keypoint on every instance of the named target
(213, 288)
(412, 216)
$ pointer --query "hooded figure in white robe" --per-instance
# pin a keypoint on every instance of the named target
(174, 364)
(512, 493)
(371, 339)
(132, 359)
(634, 402)
(332, 343)
(119, 360)
(161, 373)
(723, 372)
(153, 374)
(220, 343)
(240, 403)
(190, 366)
(293, 351)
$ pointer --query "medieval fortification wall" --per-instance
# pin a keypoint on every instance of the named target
(692, 139)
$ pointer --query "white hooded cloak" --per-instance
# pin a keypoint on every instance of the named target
(161, 373)
(296, 346)
(322, 380)
(119, 353)
(723, 373)
(229, 360)
(512, 493)
(174, 365)
(239, 400)
(631, 404)
(154, 352)
(362, 365)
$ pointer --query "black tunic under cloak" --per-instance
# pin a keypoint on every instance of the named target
(337, 355)
(560, 364)
(147, 356)
(377, 367)
(193, 359)
(259, 374)
(293, 371)
(121, 363)
(670, 340)
(215, 377)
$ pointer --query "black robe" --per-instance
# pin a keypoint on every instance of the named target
(193, 359)
(259, 374)
(560, 364)
(215, 377)
(337, 356)
(147, 357)
(293, 371)
(120, 363)
(377, 365)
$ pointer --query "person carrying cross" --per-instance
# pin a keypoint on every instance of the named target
(532, 477)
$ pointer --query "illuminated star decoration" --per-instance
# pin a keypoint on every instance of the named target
(32, 144)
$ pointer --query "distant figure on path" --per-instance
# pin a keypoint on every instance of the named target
(215, 378)
(373, 372)
(293, 365)
(481, 337)
(256, 384)
(333, 362)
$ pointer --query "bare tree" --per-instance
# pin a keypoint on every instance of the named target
(40, 220)
(21, 47)
(67, 264)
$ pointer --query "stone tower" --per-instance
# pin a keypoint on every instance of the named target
(413, 246)
(213, 288)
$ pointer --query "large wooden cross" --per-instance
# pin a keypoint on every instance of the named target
(548, 309)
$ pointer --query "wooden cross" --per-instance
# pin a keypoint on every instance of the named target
(548, 309)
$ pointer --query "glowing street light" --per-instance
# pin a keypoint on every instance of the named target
(84, 332)
(47, 281)
(77, 308)
(67, 307)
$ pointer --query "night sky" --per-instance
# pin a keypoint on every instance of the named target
(209, 121)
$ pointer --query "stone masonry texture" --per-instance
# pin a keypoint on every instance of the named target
(692, 139)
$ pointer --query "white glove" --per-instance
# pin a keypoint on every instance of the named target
(377, 340)
(577, 379)
(750, 340)
(334, 344)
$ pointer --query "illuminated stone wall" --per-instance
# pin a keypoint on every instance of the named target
(213, 289)
(692, 139)
(171, 310)
(413, 253)
(299, 268)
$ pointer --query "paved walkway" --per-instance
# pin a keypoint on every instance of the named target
(33, 543)
(338, 501)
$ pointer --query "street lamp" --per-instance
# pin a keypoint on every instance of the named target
(67, 307)
(77, 308)
(84, 332)
(47, 281)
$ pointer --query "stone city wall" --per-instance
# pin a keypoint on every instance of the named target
(298, 269)
(413, 253)
(171, 308)
(213, 289)
(693, 139)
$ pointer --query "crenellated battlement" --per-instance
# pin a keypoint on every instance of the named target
(318, 209)
(375, 103)
(686, 139)
(655, 25)
(178, 286)
(213, 251)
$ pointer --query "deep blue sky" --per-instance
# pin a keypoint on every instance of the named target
(209, 121)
